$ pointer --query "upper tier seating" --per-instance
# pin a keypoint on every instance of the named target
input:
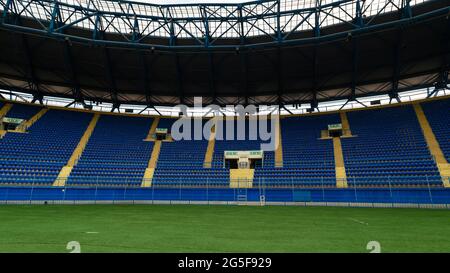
(389, 149)
(23, 111)
(116, 153)
(36, 157)
(438, 115)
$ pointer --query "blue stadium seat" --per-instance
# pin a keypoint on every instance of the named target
(116, 154)
(438, 115)
(389, 149)
(36, 157)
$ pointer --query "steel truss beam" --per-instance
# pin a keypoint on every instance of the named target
(76, 90)
(207, 26)
(33, 82)
(146, 79)
(110, 78)
(443, 80)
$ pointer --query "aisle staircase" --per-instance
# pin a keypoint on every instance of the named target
(67, 169)
(433, 145)
(150, 170)
(346, 132)
(151, 132)
(279, 147)
(341, 176)
(207, 163)
(3, 111)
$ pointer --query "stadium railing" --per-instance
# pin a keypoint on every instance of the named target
(364, 191)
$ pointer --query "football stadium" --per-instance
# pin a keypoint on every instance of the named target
(269, 126)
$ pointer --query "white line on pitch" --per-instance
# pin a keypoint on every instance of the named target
(359, 222)
(91, 232)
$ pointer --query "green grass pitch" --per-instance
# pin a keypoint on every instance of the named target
(201, 228)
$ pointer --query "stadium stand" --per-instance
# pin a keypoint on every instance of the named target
(23, 111)
(438, 115)
(116, 154)
(37, 156)
(248, 143)
(388, 149)
(181, 162)
(307, 159)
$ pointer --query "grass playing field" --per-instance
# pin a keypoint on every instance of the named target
(183, 228)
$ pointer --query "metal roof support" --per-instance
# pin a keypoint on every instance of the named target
(146, 79)
(142, 111)
(56, 22)
(211, 71)
(115, 106)
(205, 25)
(179, 78)
(279, 68)
(405, 12)
(355, 62)
(99, 34)
(207, 40)
(241, 25)
(54, 18)
(314, 101)
(406, 9)
(135, 33)
(71, 103)
(443, 82)
(190, 25)
(317, 19)
(172, 42)
(287, 110)
(358, 15)
(355, 51)
(172, 37)
(154, 108)
(76, 90)
(243, 58)
(111, 80)
(5, 11)
(33, 82)
(97, 31)
(244, 76)
(279, 36)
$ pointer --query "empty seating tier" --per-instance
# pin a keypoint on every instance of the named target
(116, 154)
(308, 161)
(386, 148)
(36, 157)
(389, 150)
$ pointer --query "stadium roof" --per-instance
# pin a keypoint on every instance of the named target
(260, 52)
